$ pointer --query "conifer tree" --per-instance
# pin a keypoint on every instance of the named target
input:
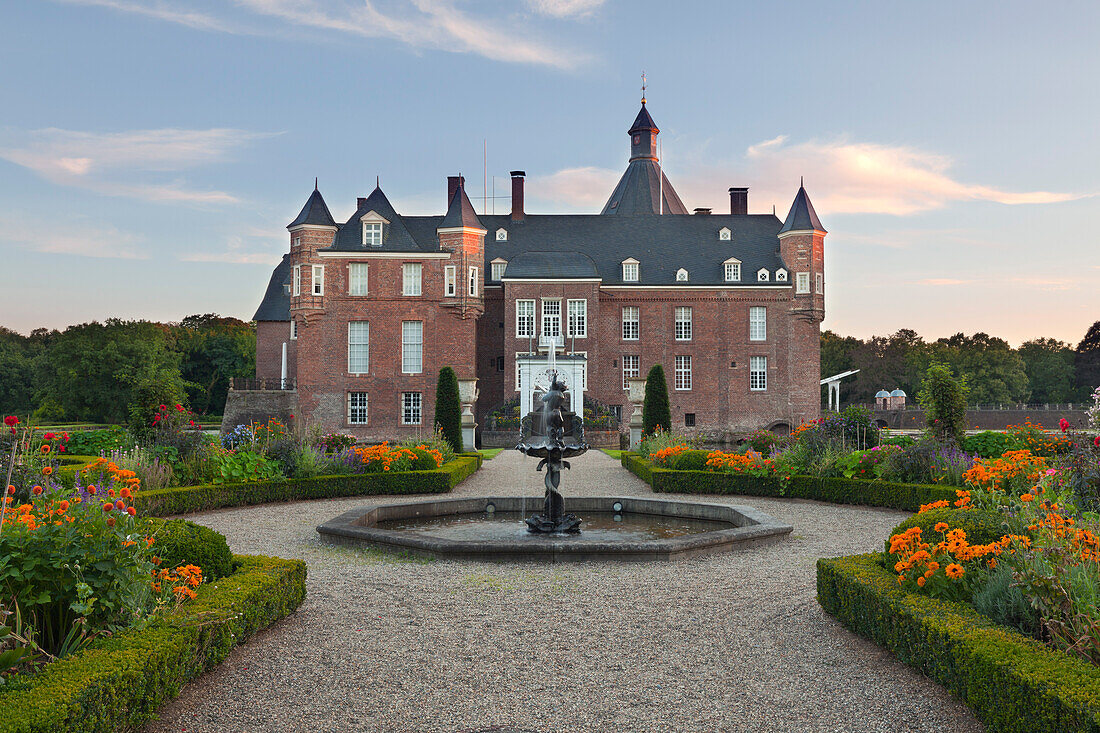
(448, 410)
(656, 412)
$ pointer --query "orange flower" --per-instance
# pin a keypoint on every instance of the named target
(1027, 498)
(954, 571)
(921, 581)
(941, 526)
(44, 449)
(47, 470)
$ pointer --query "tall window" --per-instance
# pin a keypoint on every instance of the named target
(630, 272)
(578, 319)
(357, 408)
(296, 280)
(410, 278)
(758, 373)
(358, 347)
(293, 330)
(630, 369)
(412, 347)
(758, 323)
(683, 323)
(683, 372)
(525, 319)
(551, 318)
(498, 270)
(372, 234)
(631, 325)
(410, 408)
(357, 278)
(473, 282)
(733, 271)
(820, 283)
(802, 282)
(450, 278)
(318, 279)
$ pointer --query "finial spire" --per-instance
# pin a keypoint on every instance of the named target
(801, 181)
(643, 87)
(315, 183)
(377, 181)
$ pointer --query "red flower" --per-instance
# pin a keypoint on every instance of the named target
(60, 449)
(49, 436)
(179, 407)
(65, 437)
(120, 505)
(11, 489)
(1063, 424)
(107, 508)
(11, 421)
(1096, 441)
(131, 511)
(163, 407)
(37, 490)
(291, 417)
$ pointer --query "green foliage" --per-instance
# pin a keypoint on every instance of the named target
(691, 460)
(990, 444)
(424, 460)
(1002, 600)
(214, 349)
(186, 499)
(145, 401)
(448, 410)
(656, 412)
(1014, 684)
(659, 440)
(943, 397)
(118, 683)
(903, 441)
(94, 442)
(765, 442)
(244, 466)
(981, 526)
(1048, 364)
(179, 542)
(1086, 361)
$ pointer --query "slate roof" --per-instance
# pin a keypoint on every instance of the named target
(551, 265)
(802, 216)
(314, 212)
(460, 212)
(639, 191)
(276, 303)
(643, 122)
(395, 237)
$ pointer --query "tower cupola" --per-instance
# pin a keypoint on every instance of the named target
(643, 136)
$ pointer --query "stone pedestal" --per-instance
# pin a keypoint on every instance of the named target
(636, 394)
(467, 396)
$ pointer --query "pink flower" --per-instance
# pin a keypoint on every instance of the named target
(1063, 424)
(1096, 441)
(11, 421)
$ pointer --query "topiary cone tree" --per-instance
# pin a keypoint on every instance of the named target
(943, 397)
(656, 412)
(448, 410)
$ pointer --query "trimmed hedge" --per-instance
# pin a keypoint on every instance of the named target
(179, 542)
(119, 682)
(185, 499)
(1014, 684)
(907, 497)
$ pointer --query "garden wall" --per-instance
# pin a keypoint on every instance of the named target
(983, 419)
(1014, 684)
(246, 406)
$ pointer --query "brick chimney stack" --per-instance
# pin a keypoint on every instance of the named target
(739, 200)
(517, 195)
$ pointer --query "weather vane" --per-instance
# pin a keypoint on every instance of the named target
(643, 87)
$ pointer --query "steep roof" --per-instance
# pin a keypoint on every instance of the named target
(643, 122)
(395, 237)
(639, 191)
(460, 212)
(276, 303)
(551, 265)
(315, 212)
(802, 216)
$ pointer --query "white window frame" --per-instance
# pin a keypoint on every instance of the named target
(297, 240)
(502, 235)
(682, 373)
(758, 323)
(412, 405)
(802, 282)
(584, 369)
(631, 372)
(820, 283)
(412, 347)
(724, 234)
(318, 280)
(631, 270)
(548, 327)
(372, 234)
(781, 275)
(497, 268)
(577, 323)
(732, 271)
(450, 281)
(682, 322)
(472, 282)
(412, 277)
(762, 275)
(525, 318)
(681, 275)
(518, 355)
(359, 348)
(293, 330)
(758, 373)
(357, 278)
(296, 280)
(635, 323)
(364, 399)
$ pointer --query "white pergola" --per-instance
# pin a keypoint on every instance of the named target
(833, 384)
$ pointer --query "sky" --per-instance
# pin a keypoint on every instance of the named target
(153, 151)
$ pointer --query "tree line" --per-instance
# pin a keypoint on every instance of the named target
(94, 371)
(1042, 370)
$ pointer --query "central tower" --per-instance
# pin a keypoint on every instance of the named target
(644, 189)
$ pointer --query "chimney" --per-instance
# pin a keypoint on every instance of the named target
(739, 200)
(702, 212)
(360, 203)
(453, 184)
(517, 195)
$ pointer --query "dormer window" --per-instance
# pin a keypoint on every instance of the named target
(497, 268)
(630, 270)
(372, 234)
(502, 235)
(762, 275)
(681, 275)
(732, 270)
(724, 234)
(781, 275)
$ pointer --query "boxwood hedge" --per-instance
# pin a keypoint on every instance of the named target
(185, 499)
(179, 542)
(1013, 683)
(907, 497)
(118, 682)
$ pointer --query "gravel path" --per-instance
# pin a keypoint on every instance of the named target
(732, 642)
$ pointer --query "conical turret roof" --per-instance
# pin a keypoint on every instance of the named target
(460, 212)
(643, 122)
(802, 216)
(314, 213)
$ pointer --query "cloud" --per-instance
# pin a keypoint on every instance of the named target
(583, 189)
(244, 249)
(943, 281)
(110, 163)
(84, 240)
(422, 24)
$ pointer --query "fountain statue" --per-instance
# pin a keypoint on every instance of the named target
(553, 434)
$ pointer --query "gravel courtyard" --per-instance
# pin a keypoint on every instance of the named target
(732, 642)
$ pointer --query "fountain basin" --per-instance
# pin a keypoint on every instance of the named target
(474, 529)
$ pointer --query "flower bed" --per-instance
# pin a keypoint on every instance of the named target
(117, 683)
(1013, 683)
(907, 497)
(184, 499)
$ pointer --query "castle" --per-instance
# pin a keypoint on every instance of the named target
(361, 316)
